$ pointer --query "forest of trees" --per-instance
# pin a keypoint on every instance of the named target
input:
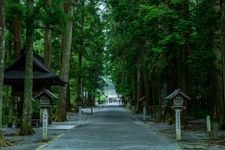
(148, 48)
(158, 46)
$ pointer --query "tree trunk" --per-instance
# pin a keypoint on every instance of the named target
(11, 111)
(48, 47)
(79, 99)
(65, 65)
(17, 35)
(148, 91)
(140, 88)
(9, 57)
(26, 128)
(222, 7)
(216, 99)
(48, 43)
(9, 53)
(68, 103)
(2, 55)
(217, 88)
(134, 91)
(140, 77)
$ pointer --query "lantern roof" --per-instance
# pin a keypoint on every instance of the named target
(176, 93)
(47, 93)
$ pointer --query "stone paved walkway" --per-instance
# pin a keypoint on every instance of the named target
(111, 129)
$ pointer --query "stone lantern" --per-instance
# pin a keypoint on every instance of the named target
(179, 103)
(45, 97)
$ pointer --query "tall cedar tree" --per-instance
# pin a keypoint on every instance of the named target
(79, 100)
(222, 7)
(48, 44)
(3, 143)
(17, 32)
(26, 128)
(65, 65)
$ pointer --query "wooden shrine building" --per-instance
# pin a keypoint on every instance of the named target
(43, 78)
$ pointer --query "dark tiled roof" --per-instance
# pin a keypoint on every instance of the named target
(14, 74)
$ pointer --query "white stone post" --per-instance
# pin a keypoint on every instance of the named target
(144, 112)
(178, 123)
(92, 110)
(208, 123)
(45, 124)
(79, 113)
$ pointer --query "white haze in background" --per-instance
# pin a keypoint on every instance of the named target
(109, 89)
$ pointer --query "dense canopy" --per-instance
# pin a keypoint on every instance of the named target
(146, 48)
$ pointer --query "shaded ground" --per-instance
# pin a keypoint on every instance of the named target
(56, 129)
(111, 128)
(195, 137)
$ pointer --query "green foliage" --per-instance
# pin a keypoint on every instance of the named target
(14, 8)
(88, 42)
(54, 15)
(36, 108)
(171, 41)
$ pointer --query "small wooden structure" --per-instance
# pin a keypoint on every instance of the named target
(170, 99)
(45, 102)
(43, 78)
(45, 97)
(179, 103)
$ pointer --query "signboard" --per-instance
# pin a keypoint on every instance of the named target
(208, 123)
(79, 113)
(144, 112)
(45, 124)
(178, 124)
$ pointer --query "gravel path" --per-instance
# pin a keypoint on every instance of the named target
(111, 129)
(32, 142)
